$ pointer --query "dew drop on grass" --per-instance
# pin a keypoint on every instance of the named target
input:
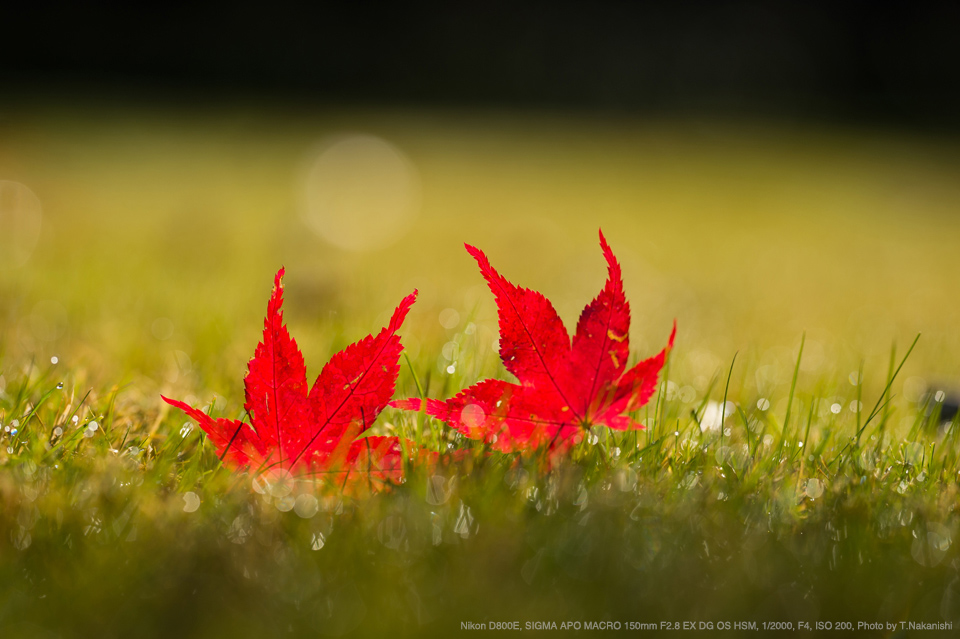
(939, 396)
(75, 420)
(54, 360)
(13, 432)
(60, 386)
(285, 504)
(187, 428)
(836, 408)
(451, 369)
(9, 450)
(191, 502)
(855, 406)
(57, 432)
(592, 439)
(763, 403)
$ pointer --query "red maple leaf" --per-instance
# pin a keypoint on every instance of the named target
(315, 431)
(565, 388)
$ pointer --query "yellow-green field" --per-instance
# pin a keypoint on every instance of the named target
(747, 234)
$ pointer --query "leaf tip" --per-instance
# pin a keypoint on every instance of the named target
(475, 252)
(177, 404)
(607, 251)
(401, 311)
(406, 404)
(613, 266)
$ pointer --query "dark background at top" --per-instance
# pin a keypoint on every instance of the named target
(870, 61)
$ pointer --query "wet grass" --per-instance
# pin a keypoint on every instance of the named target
(116, 521)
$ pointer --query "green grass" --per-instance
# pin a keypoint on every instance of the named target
(672, 523)
(754, 238)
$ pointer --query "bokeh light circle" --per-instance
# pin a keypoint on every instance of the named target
(473, 416)
(20, 218)
(360, 193)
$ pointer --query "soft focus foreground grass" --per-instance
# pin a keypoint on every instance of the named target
(162, 231)
(120, 533)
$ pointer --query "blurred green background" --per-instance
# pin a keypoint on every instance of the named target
(161, 229)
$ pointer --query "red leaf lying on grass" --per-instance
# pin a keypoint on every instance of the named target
(312, 432)
(564, 388)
